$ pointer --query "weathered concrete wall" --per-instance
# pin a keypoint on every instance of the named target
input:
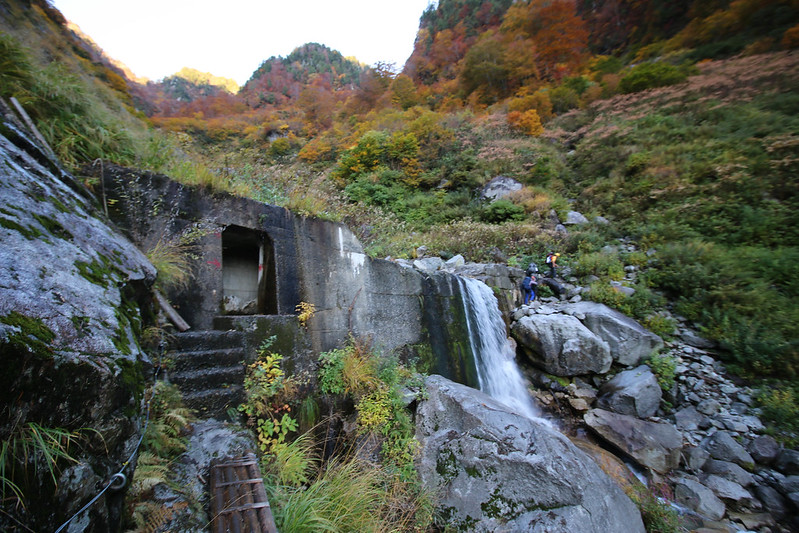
(318, 262)
(151, 207)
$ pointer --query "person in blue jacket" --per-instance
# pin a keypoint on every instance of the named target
(528, 287)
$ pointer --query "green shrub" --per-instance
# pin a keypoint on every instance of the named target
(501, 211)
(658, 515)
(563, 99)
(601, 264)
(665, 369)
(780, 410)
(660, 325)
(651, 75)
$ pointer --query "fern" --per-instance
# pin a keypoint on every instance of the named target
(149, 517)
(150, 471)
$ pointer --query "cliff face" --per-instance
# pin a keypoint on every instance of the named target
(72, 292)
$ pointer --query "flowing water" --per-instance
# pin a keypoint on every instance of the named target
(497, 372)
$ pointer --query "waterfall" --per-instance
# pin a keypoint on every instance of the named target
(497, 372)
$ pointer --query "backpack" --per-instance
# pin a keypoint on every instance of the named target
(527, 283)
(549, 259)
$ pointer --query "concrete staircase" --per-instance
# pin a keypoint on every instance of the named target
(208, 368)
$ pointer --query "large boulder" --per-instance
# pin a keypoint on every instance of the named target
(650, 444)
(628, 340)
(561, 345)
(632, 392)
(493, 470)
(724, 447)
(697, 497)
(499, 187)
(71, 292)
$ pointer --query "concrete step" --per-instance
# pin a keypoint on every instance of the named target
(214, 402)
(195, 360)
(195, 341)
(207, 378)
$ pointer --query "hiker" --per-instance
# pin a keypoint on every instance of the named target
(551, 261)
(528, 287)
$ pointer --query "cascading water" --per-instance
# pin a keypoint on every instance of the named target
(497, 372)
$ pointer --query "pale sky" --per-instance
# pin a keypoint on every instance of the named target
(230, 38)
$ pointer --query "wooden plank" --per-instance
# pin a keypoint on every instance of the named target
(242, 482)
(246, 507)
(231, 498)
(217, 500)
(239, 502)
(170, 312)
(265, 517)
(32, 127)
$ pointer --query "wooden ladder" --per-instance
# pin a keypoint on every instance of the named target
(238, 498)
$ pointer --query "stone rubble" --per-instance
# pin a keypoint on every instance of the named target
(731, 475)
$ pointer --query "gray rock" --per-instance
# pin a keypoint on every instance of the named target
(601, 220)
(500, 187)
(624, 289)
(695, 458)
(629, 342)
(575, 218)
(690, 337)
(632, 392)
(733, 423)
(724, 447)
(580, 389)
(429, 264)
(699, 498)
(708, 407)
(561, 345)
(688, 419)
(497, 471)
(650, 444)
(71, 291)
(788, 462)
(730, 471)
(771, 500)
(209, 440)
(790, 484)
(455, 261)
(730, 491)
(753, 423)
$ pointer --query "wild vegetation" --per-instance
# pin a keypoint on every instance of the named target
(675, 121)
(364, 481)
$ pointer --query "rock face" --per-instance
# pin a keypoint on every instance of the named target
(499, 187)
(629, 341)
(561, 345)
(496, 471)
(653, 445)
(71, 294)
(632, 392)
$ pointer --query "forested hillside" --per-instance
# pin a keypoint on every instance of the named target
(675, 121)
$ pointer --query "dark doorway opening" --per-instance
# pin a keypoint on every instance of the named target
(248, 272)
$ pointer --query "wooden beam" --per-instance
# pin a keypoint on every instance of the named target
(170, 312)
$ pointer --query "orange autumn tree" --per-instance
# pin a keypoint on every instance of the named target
(553, 31)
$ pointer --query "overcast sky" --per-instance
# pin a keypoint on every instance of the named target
(230, 38)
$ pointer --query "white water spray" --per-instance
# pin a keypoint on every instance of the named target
(497, 372)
